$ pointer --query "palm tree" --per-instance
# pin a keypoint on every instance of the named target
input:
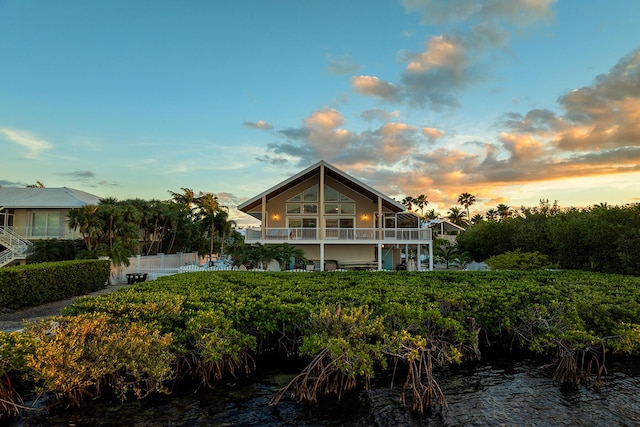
(491, 215)
(477, 218)
(285, 252)
(504, 211)
(421, 201)
(466, 200)
(207, 208)
(86, 221)
(432, 214)
(456, 216)
(408, 202)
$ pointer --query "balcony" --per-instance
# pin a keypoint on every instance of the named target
(338, 235)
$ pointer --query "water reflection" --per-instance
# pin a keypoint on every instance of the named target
(494, 393)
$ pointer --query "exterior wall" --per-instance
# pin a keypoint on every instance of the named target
(365, 209)
(23, 224)
(342, 253)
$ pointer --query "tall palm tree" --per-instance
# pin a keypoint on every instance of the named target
(421, 201)
(207, 208)
(466, 200)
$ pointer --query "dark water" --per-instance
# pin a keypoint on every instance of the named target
(492, 394)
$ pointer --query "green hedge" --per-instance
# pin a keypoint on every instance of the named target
(35, 284)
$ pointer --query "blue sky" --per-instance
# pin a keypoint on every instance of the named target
(511, 100)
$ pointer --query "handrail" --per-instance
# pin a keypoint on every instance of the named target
(338, 234)
(17, 246)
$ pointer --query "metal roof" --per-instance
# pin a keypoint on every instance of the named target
(330, 171)
(45, 198)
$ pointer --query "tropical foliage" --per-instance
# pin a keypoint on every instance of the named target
(348, 327)
(600, 238)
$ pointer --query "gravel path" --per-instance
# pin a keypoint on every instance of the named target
(14, 320)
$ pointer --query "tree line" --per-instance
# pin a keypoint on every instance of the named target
(186, 222)
(599, 238)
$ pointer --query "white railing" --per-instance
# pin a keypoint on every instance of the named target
(36, 233)
(17, 246)
(338, 234)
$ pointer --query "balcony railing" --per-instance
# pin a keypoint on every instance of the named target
(40, 233)
(338, 234)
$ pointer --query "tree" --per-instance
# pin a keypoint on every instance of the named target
(86, 221)
(504, 211)
(456, 216)
(38, 184)
(408, 202)
(432, 214)
(491, 215)
(284, 253)
(477, 218)
(466, 200)
(421, 201)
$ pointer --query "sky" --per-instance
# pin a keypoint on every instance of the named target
(513, 101)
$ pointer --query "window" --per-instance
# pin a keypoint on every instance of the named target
(347, 208)
(46, 224)
(311, 194)
(293, 208)
(310, 209)
(331, 208)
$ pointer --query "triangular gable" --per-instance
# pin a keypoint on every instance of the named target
(330, 171)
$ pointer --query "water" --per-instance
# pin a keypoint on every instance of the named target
(497, 393)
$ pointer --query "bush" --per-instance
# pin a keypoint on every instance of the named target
(35, 284)
(520, 261)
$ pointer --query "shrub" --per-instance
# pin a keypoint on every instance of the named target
(31, 285)
(519, 261)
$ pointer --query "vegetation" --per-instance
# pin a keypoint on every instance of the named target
(209, 326)
(519, 261)
(120, 229)
(30, 285)
(601, 238)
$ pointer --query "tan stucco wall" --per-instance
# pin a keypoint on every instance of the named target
(276, 207)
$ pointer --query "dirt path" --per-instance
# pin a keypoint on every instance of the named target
(14, 320)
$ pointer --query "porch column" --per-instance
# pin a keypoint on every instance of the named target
(321, 256)
(406, 254)
(263, 230)
(418, 253)
(380, 219)
(431, 255)
(379, 256)
(321, 202)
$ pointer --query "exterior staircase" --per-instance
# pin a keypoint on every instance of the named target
(16, 246)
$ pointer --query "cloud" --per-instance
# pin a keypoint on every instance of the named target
(78, 175)
(595, 132)
(378, 114)
(34, 145)
(260, 124)
(7, 183)
(432, 133)
(518, 12)
(342, 65)
(453, 62)
(373, 86)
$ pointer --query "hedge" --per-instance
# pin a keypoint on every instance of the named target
(35, 284)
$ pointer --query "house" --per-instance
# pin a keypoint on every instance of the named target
(443, 229)
(338, 221)
(30, 214)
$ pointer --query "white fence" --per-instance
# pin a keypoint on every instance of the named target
(160, 265)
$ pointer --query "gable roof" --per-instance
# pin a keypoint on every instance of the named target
(42, 198)
(330, 171)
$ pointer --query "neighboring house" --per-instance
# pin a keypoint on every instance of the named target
(338, 221)
(443, 229)
(29, 214)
